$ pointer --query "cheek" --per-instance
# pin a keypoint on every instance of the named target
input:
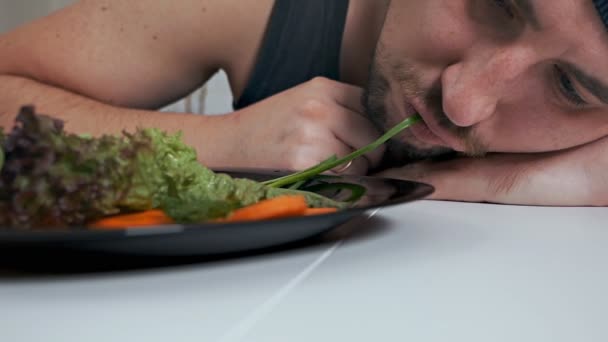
(521, 121)
(528, 121)
(430, 32)
(523, 127)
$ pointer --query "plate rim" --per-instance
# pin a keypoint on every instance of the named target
(422, 190)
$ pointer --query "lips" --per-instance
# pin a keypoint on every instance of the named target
(430, 132)
(427, 132)
(422, 132)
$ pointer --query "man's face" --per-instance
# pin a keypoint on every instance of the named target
(491, 75)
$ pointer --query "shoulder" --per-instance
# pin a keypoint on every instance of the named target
(221, 30)
(227, 33)
(240, 26)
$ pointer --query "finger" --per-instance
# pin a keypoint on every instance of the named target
(330, 146)
(346, 95)
(356, 132)
(323, 146)
(357, 167)
(348, 119)
(350, 97)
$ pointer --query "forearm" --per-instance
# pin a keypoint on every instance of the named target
(547, 180)
(208, 134)
(577, 177)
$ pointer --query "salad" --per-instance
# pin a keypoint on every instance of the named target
(52, 179)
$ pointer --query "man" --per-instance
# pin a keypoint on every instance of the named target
(522, 82)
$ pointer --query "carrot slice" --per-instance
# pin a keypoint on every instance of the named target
(278, 207)
(319, 211)
(141, 219)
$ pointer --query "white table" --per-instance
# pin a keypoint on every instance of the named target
(429, 271)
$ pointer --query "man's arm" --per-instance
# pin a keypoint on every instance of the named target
(576, 177)
(104, 66)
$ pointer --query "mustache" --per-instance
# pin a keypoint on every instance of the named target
(433, 100)
(373, 98)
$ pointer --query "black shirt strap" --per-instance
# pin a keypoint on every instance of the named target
(302, 41)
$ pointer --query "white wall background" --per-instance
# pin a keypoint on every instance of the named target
(215, 98)
(15, 12)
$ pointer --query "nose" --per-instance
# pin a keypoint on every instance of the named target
(473, 88)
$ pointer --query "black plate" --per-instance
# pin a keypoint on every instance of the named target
(215, 239)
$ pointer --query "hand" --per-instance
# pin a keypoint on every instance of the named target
(576, 177)
(301, 127)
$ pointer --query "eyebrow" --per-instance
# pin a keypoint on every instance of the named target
(593, 85)
(529, 12)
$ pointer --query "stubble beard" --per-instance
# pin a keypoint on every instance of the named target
(406, 149)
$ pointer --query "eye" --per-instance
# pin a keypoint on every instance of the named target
(506, 7)
(501, 19)
(567, 88)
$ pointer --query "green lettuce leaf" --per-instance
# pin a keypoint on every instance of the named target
(190, 192)
(54, 179)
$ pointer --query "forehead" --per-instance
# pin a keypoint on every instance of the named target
(568, 8)
(572, 30)
(571, 18)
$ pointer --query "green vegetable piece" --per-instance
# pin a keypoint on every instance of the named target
(189, 192)
(333, 162)
(53, 179)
